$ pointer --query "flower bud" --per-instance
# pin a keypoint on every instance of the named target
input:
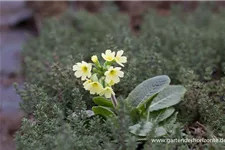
(94, 58)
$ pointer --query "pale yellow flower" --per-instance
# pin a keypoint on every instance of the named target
(120, 59)
(107, 92)
(109, 55)
(113, 74)
(94, 87)
(111, 83)
(86, 83)
(82, 70)
(94, 58)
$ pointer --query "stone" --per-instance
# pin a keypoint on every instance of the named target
(11, 43)
(9, 99)
(12, 12)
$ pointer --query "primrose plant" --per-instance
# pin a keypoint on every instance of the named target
(151, 102)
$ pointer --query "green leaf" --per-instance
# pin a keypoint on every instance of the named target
(101, 101)
(170, 121)
(145, 90)
(143, 129)
(160, 131)
(168, 97)
(143, 107)
(161, 115)
(135, 115)
(103, 111)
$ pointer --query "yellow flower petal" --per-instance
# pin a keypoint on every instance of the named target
(107, 92)
(113, 74)
(83, 77)
(94, 87)
(78, 74)
(120, 59)
(109, 55)
(86, 83)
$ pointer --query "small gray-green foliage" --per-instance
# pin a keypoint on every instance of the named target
(189, 48)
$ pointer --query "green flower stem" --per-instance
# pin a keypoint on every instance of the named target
(98, 65)
(114, 101)
(108, 63)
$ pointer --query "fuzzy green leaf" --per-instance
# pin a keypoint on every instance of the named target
(168, 97)
(161, 115)
(143, 130)
(144, 91)
(160, 131)
(170, 121)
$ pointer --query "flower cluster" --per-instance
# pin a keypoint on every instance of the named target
(99, 79)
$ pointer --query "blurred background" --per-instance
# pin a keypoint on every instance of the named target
(22, 20)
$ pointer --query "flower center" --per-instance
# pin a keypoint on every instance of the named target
(84, 68)
(109, 57)
(95, 84)
(112, 72)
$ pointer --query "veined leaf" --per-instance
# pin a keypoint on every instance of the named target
(143, 130)
(170, 121)
(101, 101)
(145, 90)
(168, 97)
(160, 131)
(103, 111)
(143, 107)
(161, 115)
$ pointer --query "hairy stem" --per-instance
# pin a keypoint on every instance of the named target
(114, 100)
